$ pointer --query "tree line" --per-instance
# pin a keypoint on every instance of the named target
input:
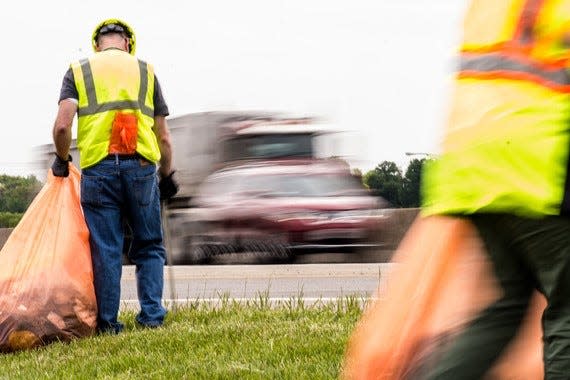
(16, 194)
(399, 189)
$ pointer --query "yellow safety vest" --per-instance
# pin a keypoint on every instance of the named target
(113, 81)
(507, 140)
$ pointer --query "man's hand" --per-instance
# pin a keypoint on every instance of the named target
(60, 167)
(167, 186)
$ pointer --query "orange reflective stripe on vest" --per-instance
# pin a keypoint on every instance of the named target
(523, 33)
(511, 60)
(497, 66)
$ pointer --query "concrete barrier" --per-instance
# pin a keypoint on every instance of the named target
(400, 220)
(4, 233)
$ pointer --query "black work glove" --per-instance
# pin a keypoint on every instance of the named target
(60, 167)
(167, 186)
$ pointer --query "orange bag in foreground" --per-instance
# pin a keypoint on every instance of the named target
(46, 277)
(441, 280)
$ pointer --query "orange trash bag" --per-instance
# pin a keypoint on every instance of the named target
(440, 280)
(46, 276)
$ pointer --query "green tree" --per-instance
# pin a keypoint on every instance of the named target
(386, 180)
(16, 193)
(411, 183)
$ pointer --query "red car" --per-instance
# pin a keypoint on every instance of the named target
(280, 210)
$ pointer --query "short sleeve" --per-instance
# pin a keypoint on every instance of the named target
(160, 106)
(68, 88)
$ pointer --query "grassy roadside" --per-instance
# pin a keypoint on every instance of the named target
(233, 340)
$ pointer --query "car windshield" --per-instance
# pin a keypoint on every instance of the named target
(300, 185)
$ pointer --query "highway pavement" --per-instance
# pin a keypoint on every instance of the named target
(312, 282)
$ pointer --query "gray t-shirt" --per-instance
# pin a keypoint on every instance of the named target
(69, 90)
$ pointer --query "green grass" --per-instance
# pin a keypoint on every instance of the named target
(232, 340)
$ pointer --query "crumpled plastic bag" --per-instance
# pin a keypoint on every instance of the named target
(46, 275)
(440, 282)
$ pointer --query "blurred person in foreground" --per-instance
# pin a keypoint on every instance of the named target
(504, 166)
(122, 133)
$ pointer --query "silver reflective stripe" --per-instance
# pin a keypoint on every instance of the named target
(495, 62)
(89, 83)
(94, 107)
(143, 69)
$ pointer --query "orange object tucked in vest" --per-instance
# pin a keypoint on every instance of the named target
(123, 134)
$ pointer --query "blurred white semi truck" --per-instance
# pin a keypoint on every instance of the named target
(207, 141)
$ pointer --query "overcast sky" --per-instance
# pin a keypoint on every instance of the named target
(379, 68)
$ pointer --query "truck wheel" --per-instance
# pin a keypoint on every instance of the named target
(283, 254)
(198, 252)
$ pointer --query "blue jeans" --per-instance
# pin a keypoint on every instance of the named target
(113, 190)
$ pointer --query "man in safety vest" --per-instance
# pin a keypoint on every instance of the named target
(505, 166)
(121, 135)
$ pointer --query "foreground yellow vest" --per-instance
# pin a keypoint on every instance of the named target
(507, 139)
(109, 82)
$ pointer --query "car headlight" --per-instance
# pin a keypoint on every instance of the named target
(300, 215)
(353, 214)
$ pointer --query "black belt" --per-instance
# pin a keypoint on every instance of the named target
(122, 157)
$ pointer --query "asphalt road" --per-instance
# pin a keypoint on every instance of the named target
(276, 282)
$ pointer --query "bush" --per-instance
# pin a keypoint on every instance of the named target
(16, 193)
(10, 219)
